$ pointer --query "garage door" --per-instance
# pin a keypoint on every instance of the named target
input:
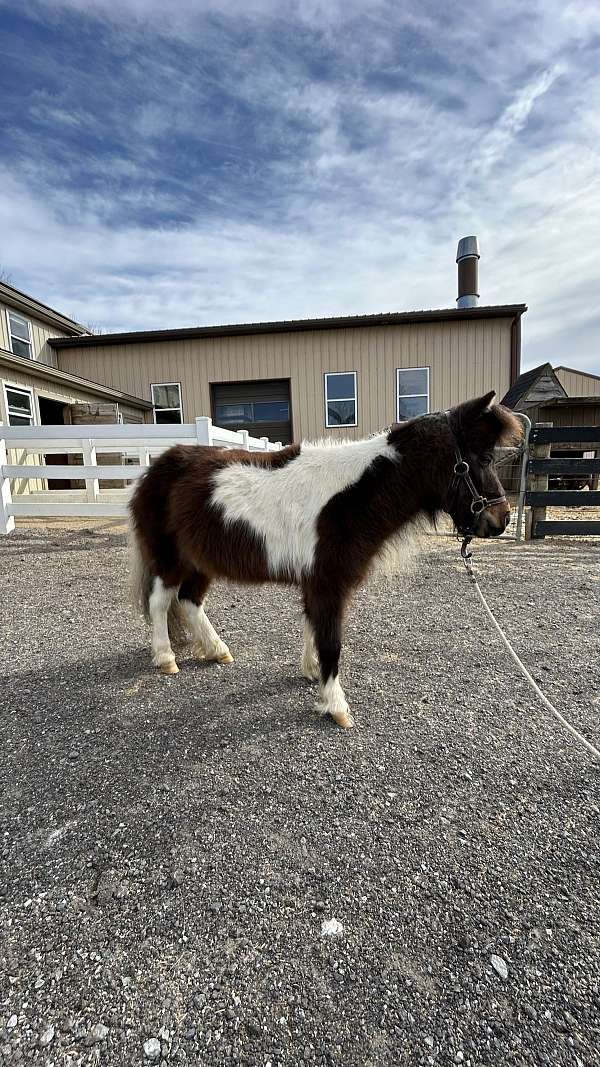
(263, 408)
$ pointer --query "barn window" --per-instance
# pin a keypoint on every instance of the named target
(412, 392)
(166, 399)
(19, 406)
(340, 399)
(19, 330)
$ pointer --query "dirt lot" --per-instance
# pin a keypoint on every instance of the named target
(172, 846)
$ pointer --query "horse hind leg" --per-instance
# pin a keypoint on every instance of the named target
(207, 643)
(160, 601)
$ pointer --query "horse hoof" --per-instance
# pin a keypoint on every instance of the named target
(225, 658)
(169, 668)
(343, 719)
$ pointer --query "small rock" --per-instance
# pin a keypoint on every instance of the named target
(12, 1022)
(152, 1049)
(47, 1037)
(459, 1057)
(331, 928)
(253, 1027)
(98, 1033)
(429, 1041)
(499, 965)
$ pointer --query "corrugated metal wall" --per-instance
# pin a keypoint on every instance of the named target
(577, 383)
(40, 332)
(466, 358)
(64, 393)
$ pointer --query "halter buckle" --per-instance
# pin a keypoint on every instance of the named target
(479, 505)
(461, 467)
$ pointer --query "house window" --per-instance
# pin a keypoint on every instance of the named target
(340, 399)
(19, 406)
(412, 392)
(167, 402)
(19, 331)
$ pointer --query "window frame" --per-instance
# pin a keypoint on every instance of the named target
(344, 400)
(400, 396)
(16, 315)
(179, 408)
(6, 386)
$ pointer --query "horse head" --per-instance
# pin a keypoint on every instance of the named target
(474, 497)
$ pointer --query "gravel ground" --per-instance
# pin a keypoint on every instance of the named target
(173, 846)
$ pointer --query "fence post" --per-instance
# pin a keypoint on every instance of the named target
(204, 430)
(265, 443)
(523, 477)
(144, 456)
(539, 484)
(92, 485)
(245, 434)
(7, 522)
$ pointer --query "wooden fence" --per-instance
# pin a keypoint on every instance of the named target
(542, 464)
(134, 445)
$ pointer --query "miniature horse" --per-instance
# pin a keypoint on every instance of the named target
(317, 516)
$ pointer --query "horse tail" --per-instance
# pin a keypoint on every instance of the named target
(140, 578)
(141, 581)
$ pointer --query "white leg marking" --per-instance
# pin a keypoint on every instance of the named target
(160, 601)
(310, 660)
(333, 702)
(208, 644)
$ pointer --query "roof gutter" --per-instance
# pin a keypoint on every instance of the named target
(345, 322)
(515, 348)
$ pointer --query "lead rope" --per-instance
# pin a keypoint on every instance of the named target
(466, 558)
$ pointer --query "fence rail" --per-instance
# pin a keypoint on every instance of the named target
(541, 464)
(138, 443)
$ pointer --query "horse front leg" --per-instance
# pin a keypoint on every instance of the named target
(310, 659)
(324, 613)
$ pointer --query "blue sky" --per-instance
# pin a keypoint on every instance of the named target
(238, 161)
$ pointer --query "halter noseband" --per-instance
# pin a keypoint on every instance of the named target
(479, 503)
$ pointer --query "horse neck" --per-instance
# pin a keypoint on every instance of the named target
(415, 483)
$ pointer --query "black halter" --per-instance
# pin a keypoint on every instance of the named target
(479, 503)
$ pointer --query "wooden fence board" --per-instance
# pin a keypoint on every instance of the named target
(567, 527)
(556, 434)
(565, 498)
(565, 466)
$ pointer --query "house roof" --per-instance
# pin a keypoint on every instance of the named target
(28, 304)
(52, 374)
(524, 383)
(396, 318)
(576, 370)
(574, 401)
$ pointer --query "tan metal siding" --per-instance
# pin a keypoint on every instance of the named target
(578, 383)
(465, 358)
(40, 332)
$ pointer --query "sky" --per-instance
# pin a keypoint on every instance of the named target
(248, 160)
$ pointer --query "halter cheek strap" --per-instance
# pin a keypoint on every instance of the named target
(479, 503)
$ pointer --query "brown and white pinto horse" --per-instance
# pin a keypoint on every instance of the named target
(317, 516)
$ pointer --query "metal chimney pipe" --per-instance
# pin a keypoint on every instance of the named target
(467, 257)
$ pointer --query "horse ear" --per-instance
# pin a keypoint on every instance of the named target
(472, 410)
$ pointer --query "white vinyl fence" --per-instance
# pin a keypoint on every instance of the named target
(135, 445)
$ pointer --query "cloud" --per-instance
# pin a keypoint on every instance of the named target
(277, 160)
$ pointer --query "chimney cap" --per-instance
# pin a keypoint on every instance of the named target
(467, 246)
